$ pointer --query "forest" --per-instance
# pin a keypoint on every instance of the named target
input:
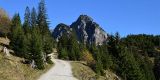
(135, 57)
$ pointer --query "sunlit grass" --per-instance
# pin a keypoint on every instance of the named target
(83, 72)
(11, 68)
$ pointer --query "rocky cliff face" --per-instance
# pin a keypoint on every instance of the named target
(61, 29)
(86, 30)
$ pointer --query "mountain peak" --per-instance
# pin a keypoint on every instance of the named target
(86, 30)
(85, 18)
(60, 30)
(62, 25)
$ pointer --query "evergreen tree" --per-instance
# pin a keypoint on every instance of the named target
(43, 25)
(62, 47)
(129, 68)
(99, 64)
(157, 68)
(124, 61)
(27, 20)
(33, 17)
(74, 47)
(27, 31)
(17, 37)
(26, 47)
(44, 28)
(106, 58)
(147, 69)
(48, 44)
(63, 54)
(144, 62)
(42, 19)
(112, 45)
(72, 55)
(37, 48)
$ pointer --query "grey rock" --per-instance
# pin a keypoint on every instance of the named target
(6, 51)
(87, 31)
(60, 30)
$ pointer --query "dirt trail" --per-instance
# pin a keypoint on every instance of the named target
(62, 70)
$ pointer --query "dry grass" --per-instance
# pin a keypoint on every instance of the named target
(111, 76)
(11, 68)
(83, 72)
(4, 41)
(157, 49)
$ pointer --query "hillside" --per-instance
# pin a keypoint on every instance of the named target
(83, 72)
(12, 68)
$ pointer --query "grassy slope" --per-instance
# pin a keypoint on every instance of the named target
(83, 72)
(11, 68)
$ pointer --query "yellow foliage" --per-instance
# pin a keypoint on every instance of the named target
(4, 22)
(87, 56)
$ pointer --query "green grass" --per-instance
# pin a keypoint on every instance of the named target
(11, 68)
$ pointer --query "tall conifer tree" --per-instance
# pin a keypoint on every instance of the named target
(44, 28)
(27, 20)
(37, 48)
(33, 17)
(17, 36)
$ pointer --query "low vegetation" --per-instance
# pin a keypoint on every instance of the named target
(12, 68)
(82, 72)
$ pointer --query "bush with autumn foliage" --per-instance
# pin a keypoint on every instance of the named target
(4, 23)
(87, 56)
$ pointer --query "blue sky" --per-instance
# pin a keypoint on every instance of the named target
(124, 16)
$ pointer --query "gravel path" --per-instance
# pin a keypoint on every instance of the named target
(60, 71)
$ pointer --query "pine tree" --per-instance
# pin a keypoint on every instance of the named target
(48, 44)
(147, 69)
(99, 64)
(33, 17)
(37, 48)
(117, 38)
(112, 45)
(72, 55)
(42, 23)
(27, 20)
(157, 68)
(62, 45)
(17, 36)
(63, 54)
(74, 47)
(129, 68)
(42, 19)
(27, 31)
(44, 28)
(16, 23)
(25, 47)
(106, 58)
